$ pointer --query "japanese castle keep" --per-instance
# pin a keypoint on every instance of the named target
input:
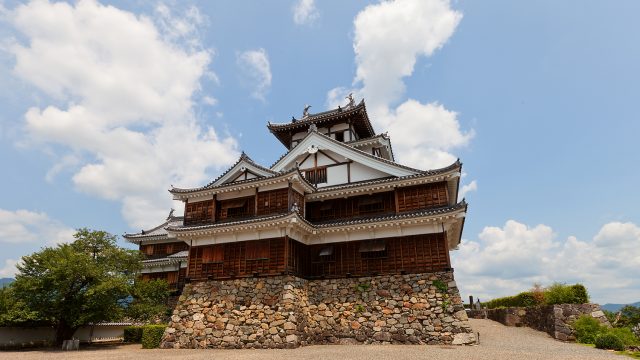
(333, 243)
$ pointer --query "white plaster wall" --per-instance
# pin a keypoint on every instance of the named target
(156, 269)
(200, 198)
(269, 187)
(360, 172)
(17, 335)
(336, 175)
(235, 194)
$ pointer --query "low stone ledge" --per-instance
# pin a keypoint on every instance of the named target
(555, 320)
(286, 312)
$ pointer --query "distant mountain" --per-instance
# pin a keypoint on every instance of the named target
(5, 281)
(617, 307)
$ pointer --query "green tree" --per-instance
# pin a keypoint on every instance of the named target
(149, 300)
(70, 285)
(629, 316)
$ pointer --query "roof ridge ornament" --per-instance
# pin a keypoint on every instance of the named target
(305, 112)
(171, 213)
(312, 127)
(352, 102)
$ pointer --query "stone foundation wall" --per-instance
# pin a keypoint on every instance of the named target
(286, 312)
(555, 320)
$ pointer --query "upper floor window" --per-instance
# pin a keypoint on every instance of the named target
(317, 175)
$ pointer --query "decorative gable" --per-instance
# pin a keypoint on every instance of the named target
(326, 162)
(244, 169)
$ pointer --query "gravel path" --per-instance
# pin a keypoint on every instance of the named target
(496, 342)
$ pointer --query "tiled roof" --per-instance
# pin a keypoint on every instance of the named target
(155, 232)
(180, 255)
(350, 148)
(244, 157)
(241, 182)
(228, 223)
(327, 224)
(443, 170)
(407, 215)
(319, 118)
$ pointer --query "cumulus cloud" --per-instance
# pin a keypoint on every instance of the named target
(389, 39)
(467, 188)
(510, 259)
(9, 269)
(255, 65)
(305, 12)
(122, 98)
(24, 226)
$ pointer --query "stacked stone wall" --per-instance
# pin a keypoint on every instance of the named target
(286, 311)
(555, 320)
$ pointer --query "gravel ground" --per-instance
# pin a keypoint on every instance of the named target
(496, 342)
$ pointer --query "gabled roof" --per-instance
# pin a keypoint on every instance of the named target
(358, 114)
(380, 138)
(293, 174)
(155, 233)
(244, 161)
(325, 142)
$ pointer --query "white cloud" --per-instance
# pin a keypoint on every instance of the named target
(127, 98)
(24, 226)
(467, 188)
(256, 67)
(9, 270)
(305, 12)
(389, 39)
(505, 261)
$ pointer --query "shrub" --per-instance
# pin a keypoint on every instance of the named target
(625, 334)
(523, 299)
(609, 341)
(587, 329)
(152, 335)
(133, 334)
(580, 294)
(559, 294)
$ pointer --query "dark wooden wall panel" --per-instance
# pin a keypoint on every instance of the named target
(356, 206)
(241, 259)
(410, 254)
(155, 251)
(273, 202)
(422, 196)
(200, 212)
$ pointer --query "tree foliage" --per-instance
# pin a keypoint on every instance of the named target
(149, 300)
(70, 285)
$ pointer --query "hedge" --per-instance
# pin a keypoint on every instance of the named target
(133, 334)
(152, 335)
(554, 294)
(609, 342)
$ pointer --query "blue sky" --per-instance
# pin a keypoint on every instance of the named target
(105, 105)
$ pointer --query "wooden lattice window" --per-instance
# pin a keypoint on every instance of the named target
(370, 204)
(327, 254)
(235, 208)
(317, 175)
(373, 249)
